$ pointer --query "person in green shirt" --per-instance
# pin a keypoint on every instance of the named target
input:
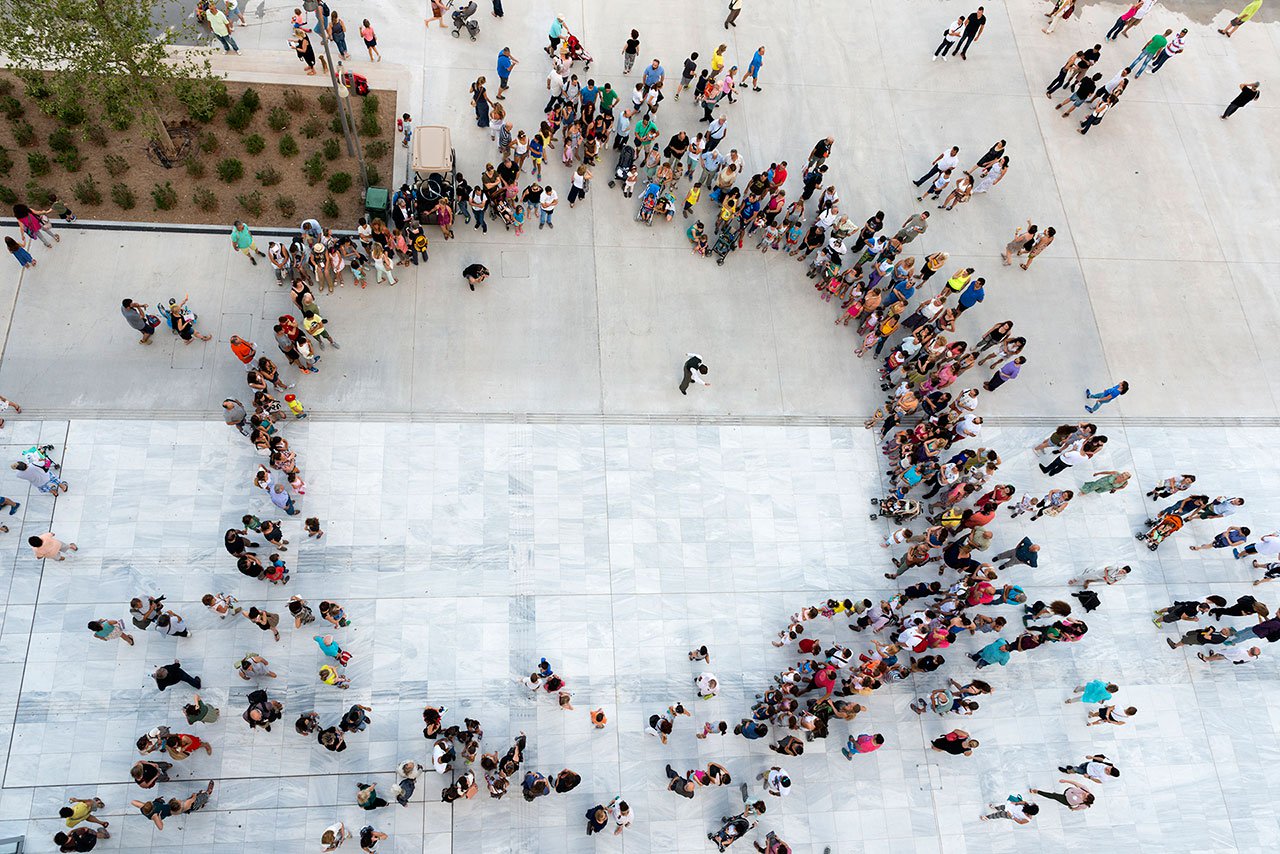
(242, 240)
(1149, 52)
(1245, 15)
(608, 97)
(646, 131)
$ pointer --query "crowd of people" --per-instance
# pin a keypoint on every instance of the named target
(929, 432)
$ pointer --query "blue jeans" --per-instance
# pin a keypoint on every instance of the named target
(340, 39)
(1145, 58)
(228, 43)
(544, 217)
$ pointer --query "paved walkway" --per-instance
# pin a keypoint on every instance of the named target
(611, 543)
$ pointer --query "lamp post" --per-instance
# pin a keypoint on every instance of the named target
(343, 104)
(335, 80)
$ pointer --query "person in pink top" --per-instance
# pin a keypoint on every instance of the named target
(47, 546)
(863, 743)
(370, 40)
(32, 226)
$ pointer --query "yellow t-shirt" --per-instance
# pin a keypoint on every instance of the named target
(79, 812)
(717, 62)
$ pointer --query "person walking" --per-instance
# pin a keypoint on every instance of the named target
(135, 314)
(735, 9)
(370, 39)
(944, 162)
(1025, 553)
(753, 69)
(45, 481)
(1149, 52)
(1176, 45)
(1015, 809)
(242, 241)
(1042, 242)
(1137, 17)
(974, 24)
(630, 50)
(1061, 10)
(1105, 397)
(169, 675)
(105, 630)
(950, 36)
(19, 252)
(1093, 691)
(1249, 92)
(506, 62)
(1095, 768)
(1075, 797)
(1099, 112)
(694, 371)
(1242, 17)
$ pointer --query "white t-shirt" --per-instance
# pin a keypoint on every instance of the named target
(707, 684)
(948, 161)
(549, 199)
(1144, 9)
(623, 819)
(776, 786)
(1096, 769)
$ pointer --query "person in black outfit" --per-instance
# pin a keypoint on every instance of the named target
(692, 364)
(171, 674)
(1248, 93)
(474, 274)
(973, 26)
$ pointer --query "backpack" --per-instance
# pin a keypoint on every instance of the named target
(258, 696)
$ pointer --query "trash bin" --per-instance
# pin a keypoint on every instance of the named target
(377, 202)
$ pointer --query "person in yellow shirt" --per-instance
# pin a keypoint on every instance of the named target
(717, 60)
(81, 809)
(1246, 14)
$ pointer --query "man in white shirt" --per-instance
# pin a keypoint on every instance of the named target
(694, 371)
(1176, 45)
(776, 782)
(547, 206)
(1138, 16)
(944, 161)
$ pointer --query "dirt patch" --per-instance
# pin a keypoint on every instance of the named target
(272, 156)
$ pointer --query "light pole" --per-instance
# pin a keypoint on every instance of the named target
(344, 93)
(339, 90)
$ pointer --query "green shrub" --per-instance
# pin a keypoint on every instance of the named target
(6, 159)
(118, 115)
(250, 99)
(239, 117)
(328, 103)
(87, 191)
(208, 143)
(331, 149)
(123, 197)
(61, 140)
(38, 196)
(36, 89)
(195, 167)
(268, 177)
(314, 168)
(288, 146)
(38, 163)
(70, 159)
(12, 107)
(294, 100)
(24, 134)
(329, 208)
(115, 165)
(251, 203)
(372, 175)
(202, 98)
(205, 199)
(72, 113)
(311, 128)
(369, 127)
(97, 135)
(339, 183)
(229, 170)
(254, 143)
(287, 206)
(369, 106)
(278, 119)
(335, 125)
(165, 197)
(7, 195)
(6, 87)
(377, 149)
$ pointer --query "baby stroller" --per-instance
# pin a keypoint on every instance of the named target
(898, 509)
(504, 213)
(1167, 526)
(169, 319)
(626, 159)
(577, 52)
(726, 241)
(462, 19)
(38, 457)
(648, 201)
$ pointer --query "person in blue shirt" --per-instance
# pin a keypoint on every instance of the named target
(751, 729)
(971, 296)
(753, 69)
(506, 62)
(653, 75)
(588, 97)
(1105, 396)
